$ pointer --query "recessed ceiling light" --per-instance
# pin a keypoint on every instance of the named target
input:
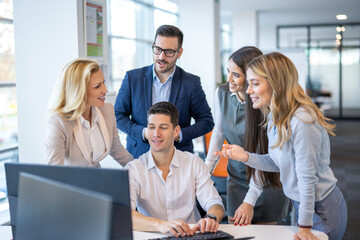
(341, 17)
(340, 29)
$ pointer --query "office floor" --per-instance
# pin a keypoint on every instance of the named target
(345, 162)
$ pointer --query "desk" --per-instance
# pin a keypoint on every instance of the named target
(5, 233)
(260, 232)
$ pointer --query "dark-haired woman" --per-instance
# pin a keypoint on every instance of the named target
(246, 202)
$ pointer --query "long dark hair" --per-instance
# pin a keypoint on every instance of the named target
(256, 140)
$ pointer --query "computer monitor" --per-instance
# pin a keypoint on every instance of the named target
(113, 182)
(49, 209)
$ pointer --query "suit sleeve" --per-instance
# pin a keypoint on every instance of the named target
(123, 106)
(201, 112)
(55, 142)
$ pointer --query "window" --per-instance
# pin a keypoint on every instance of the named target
(8, 107)
(226, 49)
(131, 33)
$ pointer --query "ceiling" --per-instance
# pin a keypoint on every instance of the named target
(290, 12)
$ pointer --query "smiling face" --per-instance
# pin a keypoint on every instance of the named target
(96, 90)
(235, 77)
(164, 64)
(259, 90)
(161, 133)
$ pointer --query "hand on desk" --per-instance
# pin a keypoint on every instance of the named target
(305, 234)
(243, 215)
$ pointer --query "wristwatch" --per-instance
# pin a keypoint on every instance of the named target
(212, 216)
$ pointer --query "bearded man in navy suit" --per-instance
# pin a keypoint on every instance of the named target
(162, 81)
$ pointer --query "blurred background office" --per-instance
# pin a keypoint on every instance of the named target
(38, 37)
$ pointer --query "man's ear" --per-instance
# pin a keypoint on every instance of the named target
(180, 52)
(177, 131)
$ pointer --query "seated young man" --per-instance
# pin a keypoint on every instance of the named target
(165, 182)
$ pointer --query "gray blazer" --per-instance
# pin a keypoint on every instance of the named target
(64, 144)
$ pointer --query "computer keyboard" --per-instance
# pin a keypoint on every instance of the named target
(197, 236)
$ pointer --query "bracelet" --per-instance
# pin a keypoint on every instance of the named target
(302, 226)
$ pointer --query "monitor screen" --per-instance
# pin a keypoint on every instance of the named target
(49, 209)
(113, 182)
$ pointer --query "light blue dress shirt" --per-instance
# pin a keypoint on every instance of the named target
(161, 92)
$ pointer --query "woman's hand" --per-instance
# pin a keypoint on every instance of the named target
(234, 152)
(243, 215)
(305, 234)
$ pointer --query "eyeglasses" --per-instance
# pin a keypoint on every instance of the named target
(167, 52)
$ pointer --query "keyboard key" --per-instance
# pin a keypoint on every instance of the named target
(200, 236)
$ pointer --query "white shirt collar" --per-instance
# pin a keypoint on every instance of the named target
(237, 97)
(174, 161)
(94, 119)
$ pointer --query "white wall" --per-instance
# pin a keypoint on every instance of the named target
(267, 38)
(245, 29)
(46, 38)
(200, 23)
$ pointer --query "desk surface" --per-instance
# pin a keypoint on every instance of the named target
(260, 232)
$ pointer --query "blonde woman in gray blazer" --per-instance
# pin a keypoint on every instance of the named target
(82, 128)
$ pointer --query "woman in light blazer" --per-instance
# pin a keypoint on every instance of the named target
(82, 128)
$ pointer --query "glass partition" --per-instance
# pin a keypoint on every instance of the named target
(333, 65)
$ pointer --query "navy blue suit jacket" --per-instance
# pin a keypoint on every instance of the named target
(135, 98)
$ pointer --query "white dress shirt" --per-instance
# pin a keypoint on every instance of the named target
(92, 135)
(174, 198)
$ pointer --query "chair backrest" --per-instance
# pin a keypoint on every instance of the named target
(221, 168)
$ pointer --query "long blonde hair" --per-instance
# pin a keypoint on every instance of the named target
(70, 93)
(287, 95)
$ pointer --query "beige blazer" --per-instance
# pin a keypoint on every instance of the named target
(65, 142)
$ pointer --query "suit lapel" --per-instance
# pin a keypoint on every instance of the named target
(80, 140)
(104, 130)
(175, 86)
(105, 134)
(148, 80)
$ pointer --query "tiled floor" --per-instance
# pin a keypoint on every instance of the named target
(345, 162)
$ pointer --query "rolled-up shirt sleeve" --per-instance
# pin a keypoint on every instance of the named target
(134, 187)
(206, 193)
